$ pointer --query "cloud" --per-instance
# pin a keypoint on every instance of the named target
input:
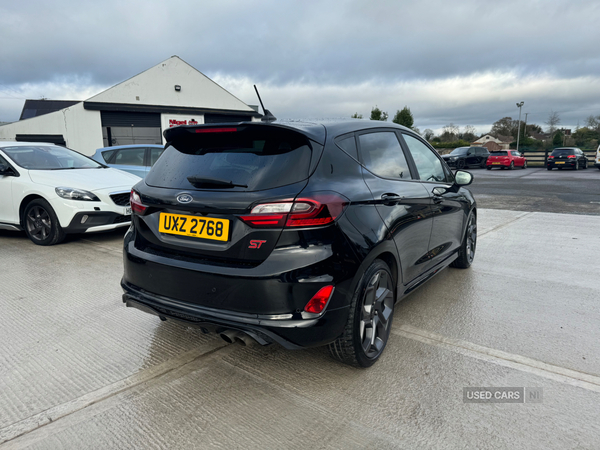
(465, 61)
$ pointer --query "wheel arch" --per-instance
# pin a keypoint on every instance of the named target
(26, 200)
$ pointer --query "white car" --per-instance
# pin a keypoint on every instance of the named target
(597, 160)
(49, 191)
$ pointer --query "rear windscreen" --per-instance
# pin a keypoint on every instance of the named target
(562, 151)
(499, 154)
(250, 158)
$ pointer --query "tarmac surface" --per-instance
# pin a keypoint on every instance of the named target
(79, 370)
(537, 189)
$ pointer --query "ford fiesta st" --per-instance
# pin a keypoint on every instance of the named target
(303, 234)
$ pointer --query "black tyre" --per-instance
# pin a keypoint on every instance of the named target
(549, 168)
(466, 253)
(460, 164)
(524, 164)
(585, 164)
(489, 167)
(41, 224)
(512, 165)
(576, 165)
(369, 319)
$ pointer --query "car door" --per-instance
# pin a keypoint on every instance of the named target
(400, 199)
(132, 160)
(7, 208)
(449, 206)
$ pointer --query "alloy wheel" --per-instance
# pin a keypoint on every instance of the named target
(471, 238)
(39, 223)
(377, 308)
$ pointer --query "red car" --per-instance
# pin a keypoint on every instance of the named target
(506, 158)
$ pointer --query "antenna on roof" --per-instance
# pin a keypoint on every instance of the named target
(267, 116)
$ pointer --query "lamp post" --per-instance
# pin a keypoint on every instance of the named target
(519, 105)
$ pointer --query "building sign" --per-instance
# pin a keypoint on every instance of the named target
(173, 122)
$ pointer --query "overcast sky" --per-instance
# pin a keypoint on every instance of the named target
(465, 62)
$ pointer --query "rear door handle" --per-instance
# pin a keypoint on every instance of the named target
(391, 198)
(437, 199)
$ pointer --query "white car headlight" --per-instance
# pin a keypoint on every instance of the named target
(76, 194)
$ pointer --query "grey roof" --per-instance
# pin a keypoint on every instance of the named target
(35, 108)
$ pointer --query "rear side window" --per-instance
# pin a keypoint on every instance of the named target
(107, 154)
(382, 155)
(155, 154)
(252, 158)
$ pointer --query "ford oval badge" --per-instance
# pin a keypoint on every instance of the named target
(184, 198)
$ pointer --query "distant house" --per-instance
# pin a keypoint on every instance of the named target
(503, 142)
(538, 136)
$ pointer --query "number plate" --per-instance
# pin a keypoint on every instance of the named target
(496, 163)
(194, 226)
(559, 162)
(127, 211)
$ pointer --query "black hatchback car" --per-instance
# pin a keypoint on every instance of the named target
(465, 157)
(567, 157)
(304, 234)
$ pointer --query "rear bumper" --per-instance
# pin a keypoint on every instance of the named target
(566, 164)
(290, 333)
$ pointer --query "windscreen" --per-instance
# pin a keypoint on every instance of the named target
(49, 157)
(499, 154)
(246, 158)
(459, 151)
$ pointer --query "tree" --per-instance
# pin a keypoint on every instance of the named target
(356, 116)
(469, 134)
(505, 127)
(428, 134)
(553, 120)
(450, 133)
(404, 117)
(593, 122)
(557, 140)
(377, 114)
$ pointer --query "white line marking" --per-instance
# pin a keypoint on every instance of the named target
(518, 362)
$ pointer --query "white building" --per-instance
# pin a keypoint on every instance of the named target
(135, 111)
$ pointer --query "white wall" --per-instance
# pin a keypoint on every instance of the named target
(81, 129)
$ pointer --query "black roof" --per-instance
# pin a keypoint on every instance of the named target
(35, 108)
(316, 130)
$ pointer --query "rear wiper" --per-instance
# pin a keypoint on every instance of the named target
(213, 182)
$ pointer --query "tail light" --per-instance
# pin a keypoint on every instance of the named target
(317, 304)
(571, 156)
(550, 157)
(136, 203)
(316, 210)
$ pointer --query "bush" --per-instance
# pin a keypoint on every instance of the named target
(455, 144)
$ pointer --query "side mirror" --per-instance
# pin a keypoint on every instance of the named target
(462, 178)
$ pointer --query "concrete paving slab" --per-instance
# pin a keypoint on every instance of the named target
(79, 370)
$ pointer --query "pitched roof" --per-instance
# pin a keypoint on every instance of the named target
(35, 108)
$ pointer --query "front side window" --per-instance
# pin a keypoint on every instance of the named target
(382, 155)
(49, 157)
(428, 164)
